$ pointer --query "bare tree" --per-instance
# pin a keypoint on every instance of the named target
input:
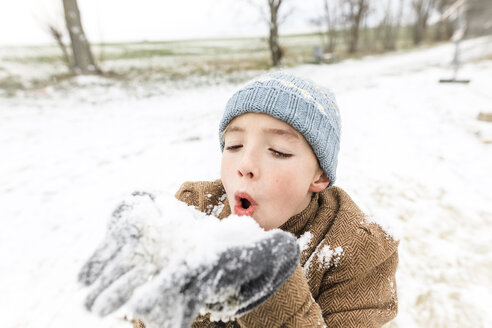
(478, 15)
(83, 60)
(331, 20)
(354, 13)
(57, 34)
(422, 10)
(389, 26)
(444, 27)
(275, 49)
(327, 24)
(270, 14)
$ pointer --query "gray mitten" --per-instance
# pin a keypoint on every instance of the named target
(238, 280)
(123, 261)
(169, 262)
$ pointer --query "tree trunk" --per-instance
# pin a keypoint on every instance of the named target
(354, 13)
(354, 38)
(419, 30)
(356, 20)
(83, 61)
(422, 10)
(275, 49)
(389, 27)
(330, 18)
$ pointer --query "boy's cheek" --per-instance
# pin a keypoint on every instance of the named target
(284, 178)
(225, 170)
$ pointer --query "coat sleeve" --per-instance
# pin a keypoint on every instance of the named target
(203, 195)
(364, 299)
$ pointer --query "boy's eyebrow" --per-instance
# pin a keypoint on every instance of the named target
(283, 132)
(234, 129)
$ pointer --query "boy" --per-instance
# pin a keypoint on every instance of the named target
(280, 137)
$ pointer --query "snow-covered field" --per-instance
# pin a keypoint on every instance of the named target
(412, 152)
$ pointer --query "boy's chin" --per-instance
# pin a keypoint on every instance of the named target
(265, 225)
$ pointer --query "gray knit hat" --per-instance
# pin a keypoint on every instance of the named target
(307, 107)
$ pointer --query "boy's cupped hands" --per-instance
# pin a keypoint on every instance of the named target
(168, 262)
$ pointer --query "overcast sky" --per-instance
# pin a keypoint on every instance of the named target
(24, 21)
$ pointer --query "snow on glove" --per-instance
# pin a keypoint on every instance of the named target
(175, 261)
(239, 274)
(142, 235)
(123, 261)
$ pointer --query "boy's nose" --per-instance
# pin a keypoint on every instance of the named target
(248, 170)
(246, 173)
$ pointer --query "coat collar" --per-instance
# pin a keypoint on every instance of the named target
(297, 223)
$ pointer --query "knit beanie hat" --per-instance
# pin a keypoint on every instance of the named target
(307, 107)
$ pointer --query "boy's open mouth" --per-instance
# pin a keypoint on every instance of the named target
(245, 204)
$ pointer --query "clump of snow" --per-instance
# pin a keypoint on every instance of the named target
(326, 255)
(181, 232)
(325, 258)
(389, 226)
(218, 316)
(216, 209)
(304, 240)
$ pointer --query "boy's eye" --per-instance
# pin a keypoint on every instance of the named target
(234, 147)
(277, 153)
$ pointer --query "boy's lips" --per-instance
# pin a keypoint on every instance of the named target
(245, 204)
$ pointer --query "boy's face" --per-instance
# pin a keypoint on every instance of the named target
(269, 171)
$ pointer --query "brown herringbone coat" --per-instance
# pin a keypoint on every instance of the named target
(346, 275)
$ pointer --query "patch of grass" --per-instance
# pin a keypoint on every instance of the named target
(188, 48)
(135, 62)
(140, 53)
(10, 85)
(36, 59)
(485, 58)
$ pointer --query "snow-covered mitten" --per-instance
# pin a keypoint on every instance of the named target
(170, 261)
(237, 280)
(124, 260)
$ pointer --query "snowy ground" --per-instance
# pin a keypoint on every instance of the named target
(412, 152)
